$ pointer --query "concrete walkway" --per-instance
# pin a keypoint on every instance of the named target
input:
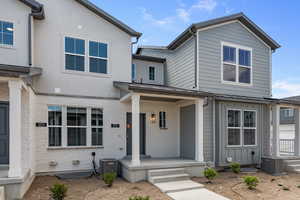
(187, 190)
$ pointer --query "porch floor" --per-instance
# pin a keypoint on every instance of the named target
(159, 163)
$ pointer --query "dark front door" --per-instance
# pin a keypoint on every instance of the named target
(142, 133)
(4, 134)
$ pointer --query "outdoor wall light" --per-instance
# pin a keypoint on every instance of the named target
(153, 118)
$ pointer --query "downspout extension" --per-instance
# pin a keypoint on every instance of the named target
(193, 32)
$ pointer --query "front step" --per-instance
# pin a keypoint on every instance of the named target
(178, 186)
(162, 172)
(292, 162)
(292, 165)
(169, 178)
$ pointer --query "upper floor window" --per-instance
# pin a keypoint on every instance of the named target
(6, 33)
(133, 72)
(74, 54)
(287, 112)
(151, 73)
(98, 57)
(237, 64)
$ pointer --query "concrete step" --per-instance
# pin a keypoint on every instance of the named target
(292, 162)
(168, 178)
(177, 186)
(293, 167)
(162, 172)
(196, 194)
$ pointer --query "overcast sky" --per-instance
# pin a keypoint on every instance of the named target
(161, 21)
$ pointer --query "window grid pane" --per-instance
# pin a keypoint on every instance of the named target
(6, 33)
(97, 136)
(249, 136)
(76, 136)
(234, 136)
(54, 136)
(244, 75)
(229, 54)
(151, 73)
(229, 73)
(244, 57)
(98, 65)
(249, 119)
(162, 119)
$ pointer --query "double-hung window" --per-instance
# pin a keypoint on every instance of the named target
(74, 54)
(6, 33)
(76, 126)
(133, 72)
(97, 127)
(162, 120)
(151, 73)
(241, 127)
(54, 125)
(98, 57)
(236, 64)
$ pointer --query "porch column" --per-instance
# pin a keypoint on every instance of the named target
(199, 130)
(297, 132)
(135, 106)
(275, 131)
(15, 134)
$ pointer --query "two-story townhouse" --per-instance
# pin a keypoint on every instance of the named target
(70, 87)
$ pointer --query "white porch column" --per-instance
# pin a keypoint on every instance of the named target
(135, 106)
(275, 131)
(199, 130)
(297, 132)
(15, 133)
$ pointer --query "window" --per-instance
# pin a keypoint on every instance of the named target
(97, 127)
(234, 127)
(133, 71)
(76, 126)
(6, 33)
(287, 112)
(151, 73)
(54, 125)
(98, 57)
(162, 120)
(74, 54)
(237, 64)
(238, 133)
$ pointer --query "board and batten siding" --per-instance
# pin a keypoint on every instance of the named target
(209, 61)
(242, 154)
(208, 144)
(180, 64)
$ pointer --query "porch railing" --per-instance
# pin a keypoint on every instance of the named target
(287, 146)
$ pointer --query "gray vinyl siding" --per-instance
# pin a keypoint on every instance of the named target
(209, 58)
(142, 72)
(180, 64)
(208, 132)
(266, 142)
(241, 154)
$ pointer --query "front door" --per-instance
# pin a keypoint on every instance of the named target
(4, 134)
(142, 133)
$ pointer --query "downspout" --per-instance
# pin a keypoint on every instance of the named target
(133, 43)
(214, 129)
(30, 39)
(195, 56)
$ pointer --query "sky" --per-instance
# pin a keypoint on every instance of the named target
(161, 21)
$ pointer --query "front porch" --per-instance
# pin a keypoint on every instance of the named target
(165, 130)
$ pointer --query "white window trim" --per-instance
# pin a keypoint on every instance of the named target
(5, 46)
(228, 127)
(154, 73)
(86, 71)
(64, 131)
(236, 64)
(54, 126)
(107, 59)
(241, 128)
(255, 128)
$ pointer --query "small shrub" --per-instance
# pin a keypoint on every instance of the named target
(58, 191)
(139, 198)
(286, 188)
(251, 182)
(235, 167)
(210, 173)
(109, 178)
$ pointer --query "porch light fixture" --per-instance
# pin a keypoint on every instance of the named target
(153, 118)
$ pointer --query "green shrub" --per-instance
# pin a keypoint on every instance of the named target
(109, 178)
(235, 167)
(58, 191)
(210, 173)
(251, 182)
(139, 198)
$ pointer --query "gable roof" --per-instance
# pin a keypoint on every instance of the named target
(98, 11)
(241, 17)
(36, 8)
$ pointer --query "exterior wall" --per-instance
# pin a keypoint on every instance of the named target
(4, 94)
(209, 61)
(180, 64)
(159, 143)
(241, 154)
(208, 135)
(142, 72)
(17, 13)
(69, 18)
